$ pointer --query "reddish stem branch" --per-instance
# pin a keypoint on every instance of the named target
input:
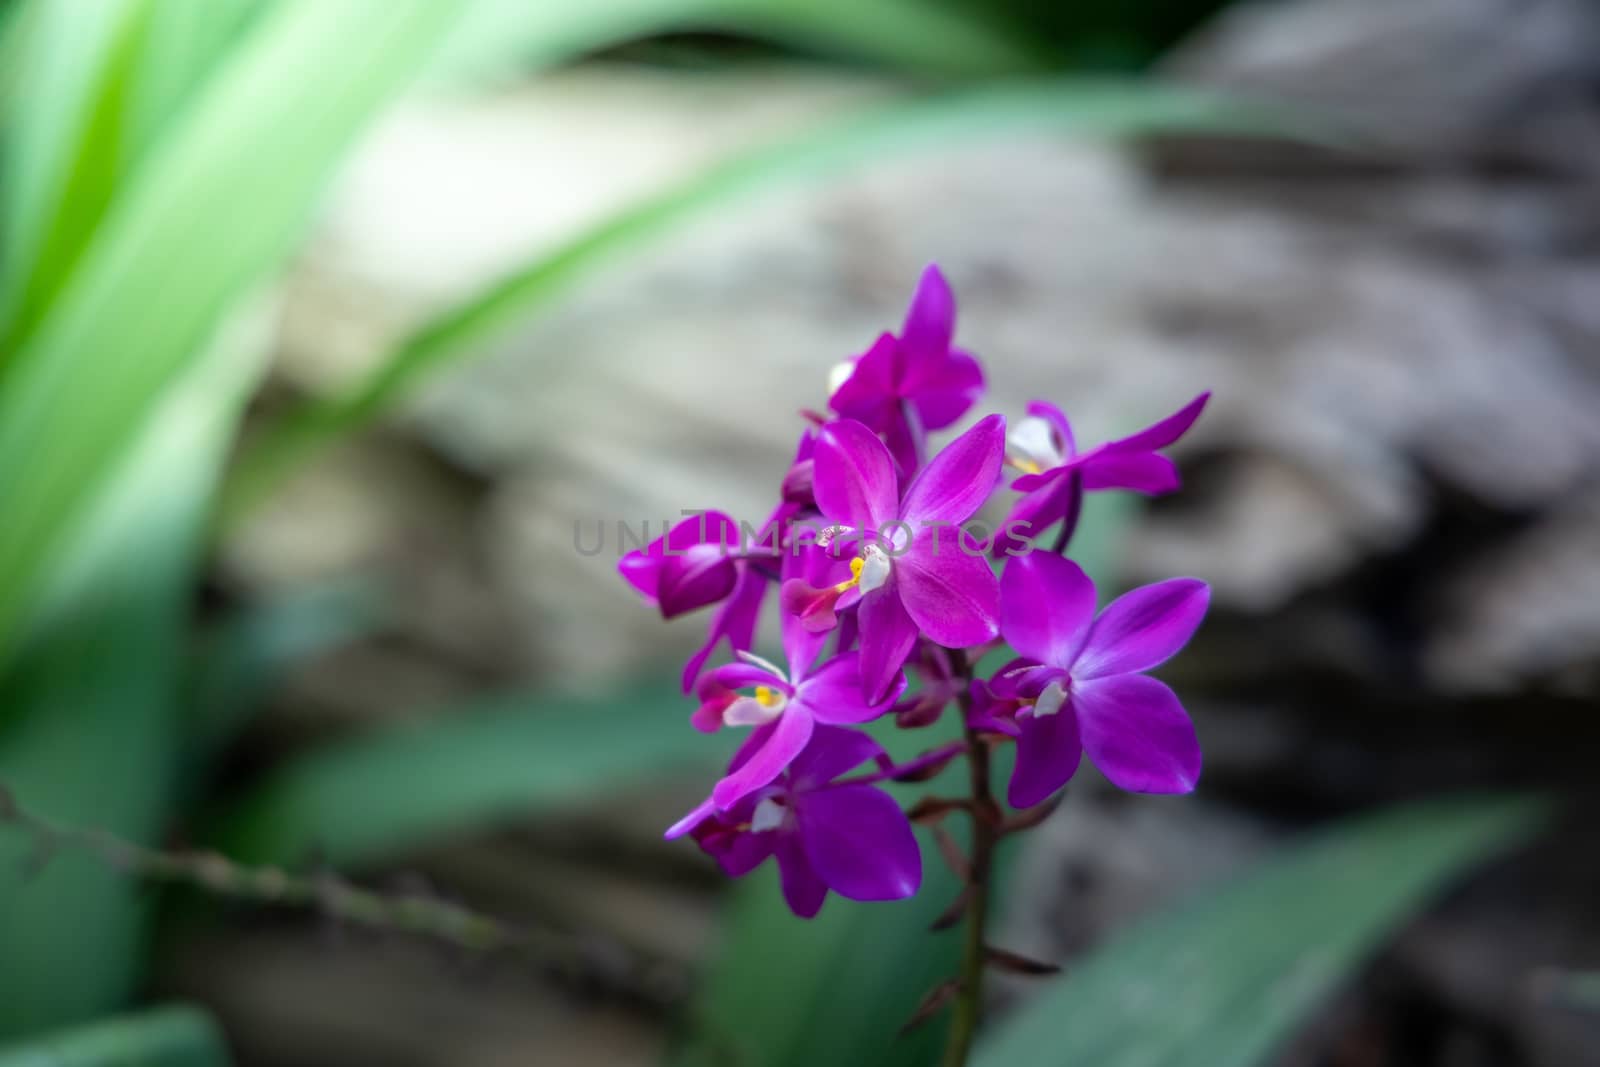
(986, 822)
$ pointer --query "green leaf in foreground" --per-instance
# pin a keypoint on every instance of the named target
(266, 133)
(374, 797)
(1085, 108)
(1221, 980)
(166, 1037)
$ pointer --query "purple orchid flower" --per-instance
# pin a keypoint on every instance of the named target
(1081, 682)
(1042, 446)
(696, 563)
(904, 386)
(914, 569)
(847, 836)
(792, 703)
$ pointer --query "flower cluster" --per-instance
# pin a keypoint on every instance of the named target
(879, 568)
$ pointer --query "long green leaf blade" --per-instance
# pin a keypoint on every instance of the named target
(160, 272)
(166, 1037)
(1086, 108)
(1222, 980)
(71, 68)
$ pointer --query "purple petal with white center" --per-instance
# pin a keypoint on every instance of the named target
(1137, 733)
(957, 482)
(1048, 752)
(860, 842)
(803, 891)
(1046, 607)
(1043, 409)
(790, 732)
(953, 597)
(944, 390)
(1142, 472)
(833, 694)
(855, 477)
(887, 637)
(931, 319)
(833, 751)
(739, 675)
(1143, 628)
(1164, 432)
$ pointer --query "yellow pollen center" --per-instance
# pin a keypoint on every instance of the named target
(767, 696)
(1025, 465)
(855, 576)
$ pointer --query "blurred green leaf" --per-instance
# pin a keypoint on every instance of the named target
(1222, 980)
(91, 720)
(244, 656)
(1084, 108)
(66, 89)
(373, 797)
(96, 82)
(164, 1037)
(265, 135)
(502, 36)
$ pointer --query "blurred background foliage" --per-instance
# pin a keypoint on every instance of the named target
(164, 167)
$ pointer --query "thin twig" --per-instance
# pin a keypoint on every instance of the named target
(652, 982)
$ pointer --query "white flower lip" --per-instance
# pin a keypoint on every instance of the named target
(875, 568)
(1051, 700)
(1035, 439)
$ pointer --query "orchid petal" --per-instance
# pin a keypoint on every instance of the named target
(931, 319)
(735, 621)
(1030, 483)
(833, 694)
(1142, 472)
(1031, 516)
(803, 891)
(944, 390)
(703, 811)
(859, 842)
(1143, 628)
(1046, 607)
(887, 637)
(1043, 409)
(872, 379)
(801, 643)
(834, 750)
(1164, 432)
(1137, 733)
(957, 482)
(743, 852)
(905, 438)
(740, 675)
(790, 732)
(1048, 752)
(705, 574)
(953, 597)
(855, 481)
